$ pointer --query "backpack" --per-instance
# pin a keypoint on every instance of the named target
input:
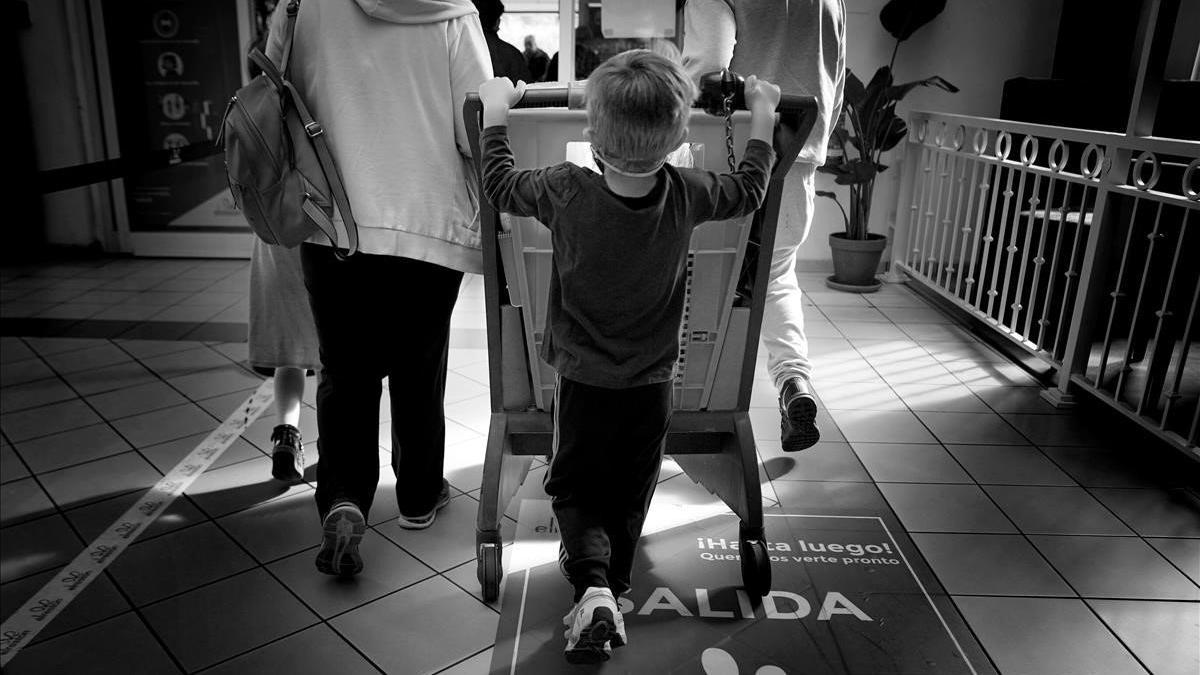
(278, 164)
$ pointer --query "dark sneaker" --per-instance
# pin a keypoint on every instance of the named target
(590, 625)
(287, 457)
(798, 414)
(426, 519)
(342, 532)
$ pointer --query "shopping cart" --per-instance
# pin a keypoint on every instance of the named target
(710, 435)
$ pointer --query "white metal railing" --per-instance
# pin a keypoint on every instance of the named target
(1082, 247)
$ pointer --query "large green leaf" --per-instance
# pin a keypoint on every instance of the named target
(902, 18)
(854, 92)
(876, 90)
(899, 91)
(854, 172)
(891, 130)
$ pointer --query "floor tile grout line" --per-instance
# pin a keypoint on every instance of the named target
(1139, 535)
(465, 659)
(108, 280)
(145, 621)
(77, 507)
(1068, 475)
(133, 447)
(900, 523)
(1020, 532)
(1136, 532)
(1067, 581)
(29, 470)
(83, 398)
(1043, 596)
(82, 540)
(326, 620)
(281, 638)
(106, 565)
(59, 509)
(467, 590)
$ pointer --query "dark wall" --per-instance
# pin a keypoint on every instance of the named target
(24, 229)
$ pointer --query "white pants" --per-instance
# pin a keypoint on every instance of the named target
(783, 313)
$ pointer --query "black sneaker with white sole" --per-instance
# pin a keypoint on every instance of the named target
(287, 457)
(426, 519)
(341, 533)
(798, 414)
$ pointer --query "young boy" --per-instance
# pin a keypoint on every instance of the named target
(620, 243)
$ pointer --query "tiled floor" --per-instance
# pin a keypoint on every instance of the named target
(1066, 548)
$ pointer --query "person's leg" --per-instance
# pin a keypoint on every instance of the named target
(347, 403)
(644, 418)
(287, 456)
(289, 391)
(420, 335)
(581, 424)
(783, 314)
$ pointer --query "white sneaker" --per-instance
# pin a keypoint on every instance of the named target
(620, 639)
(590, 625)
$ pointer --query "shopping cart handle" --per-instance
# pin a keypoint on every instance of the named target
(561, 97)
(796, 117)
(545, 97)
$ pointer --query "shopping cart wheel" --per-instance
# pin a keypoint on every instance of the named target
(488, 569)
(756, 562)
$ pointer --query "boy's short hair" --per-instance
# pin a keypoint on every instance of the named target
(638, 105)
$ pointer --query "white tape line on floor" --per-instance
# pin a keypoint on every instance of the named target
(19, 629)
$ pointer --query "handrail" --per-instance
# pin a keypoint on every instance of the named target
(1084, 259)
(1157, 144)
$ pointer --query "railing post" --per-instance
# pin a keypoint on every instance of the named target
(1090, 291)
(898, 237)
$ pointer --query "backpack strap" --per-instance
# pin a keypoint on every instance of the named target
(347, 232)
(273, 72)
(293, 9)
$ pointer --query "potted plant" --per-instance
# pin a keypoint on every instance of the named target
(869, 127)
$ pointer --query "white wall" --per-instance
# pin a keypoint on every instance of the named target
(975, 44)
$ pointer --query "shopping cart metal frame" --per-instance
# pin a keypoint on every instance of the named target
(714, 447)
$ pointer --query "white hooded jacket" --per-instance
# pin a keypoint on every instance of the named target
(387, 80)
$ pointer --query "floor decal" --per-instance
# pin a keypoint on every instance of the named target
(846, 599)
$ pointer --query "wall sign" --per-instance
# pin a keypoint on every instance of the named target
(173, 64)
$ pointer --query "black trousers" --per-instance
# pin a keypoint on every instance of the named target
(380, 316)
(608, 447)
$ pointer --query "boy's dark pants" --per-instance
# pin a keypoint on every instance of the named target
(380, 316)
(608, 447)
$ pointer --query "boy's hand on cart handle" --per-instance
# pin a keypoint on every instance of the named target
(762, 97)
(761, 94)
(498, 95)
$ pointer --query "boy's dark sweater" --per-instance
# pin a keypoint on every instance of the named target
(617, 278)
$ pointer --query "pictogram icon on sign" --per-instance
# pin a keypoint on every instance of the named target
(169, 64)
(173, 106)
(166, 23)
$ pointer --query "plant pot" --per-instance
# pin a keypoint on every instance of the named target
(855, 262)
